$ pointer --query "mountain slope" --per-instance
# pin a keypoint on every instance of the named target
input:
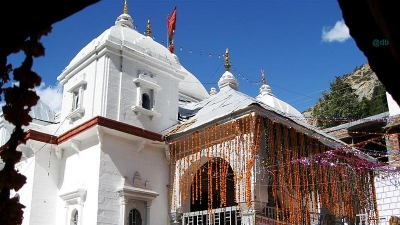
(363, 80)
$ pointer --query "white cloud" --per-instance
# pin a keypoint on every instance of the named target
(339, 33)
(50, 95)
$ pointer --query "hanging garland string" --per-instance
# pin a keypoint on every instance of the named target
(303, 187)
(217, 143)
(304, 176)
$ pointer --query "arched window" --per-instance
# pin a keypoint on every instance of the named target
(76, 101)
(134, 217)
(146, 101)
(74, 217)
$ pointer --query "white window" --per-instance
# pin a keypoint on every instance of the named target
(145, 98)
(134, 217)
(75, 100)
(77, 95)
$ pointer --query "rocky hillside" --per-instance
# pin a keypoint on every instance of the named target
(362, 79)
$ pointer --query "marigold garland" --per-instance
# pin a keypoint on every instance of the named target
(302, 176)
(314, 176)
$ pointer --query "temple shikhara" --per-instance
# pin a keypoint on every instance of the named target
(140, 141)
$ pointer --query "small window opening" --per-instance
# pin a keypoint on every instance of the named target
(134, 217)
(75, 217)
(146, 101)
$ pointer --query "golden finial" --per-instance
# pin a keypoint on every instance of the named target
(148, 31)
(125, 7)
(227, 61)
(263, 76)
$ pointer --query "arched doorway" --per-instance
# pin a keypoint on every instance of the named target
(216, 165)
(134, 217)
(74, 217)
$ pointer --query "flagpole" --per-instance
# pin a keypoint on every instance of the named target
(167, 30)
(171, 20)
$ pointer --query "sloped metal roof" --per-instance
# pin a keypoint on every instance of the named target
(231, 102)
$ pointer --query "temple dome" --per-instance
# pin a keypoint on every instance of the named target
(269, 99)
(227, 79)
(123, 35)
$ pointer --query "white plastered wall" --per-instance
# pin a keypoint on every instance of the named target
(122, 158)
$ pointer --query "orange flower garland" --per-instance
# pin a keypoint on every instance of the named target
(298, 189)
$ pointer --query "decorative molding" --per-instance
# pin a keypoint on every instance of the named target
(130, 193)
(142, 82)
(136, 191)
(137, 180)
(139, 110)
(145, 73)
(39, 136)
(96, 121)
(76, 145)
(74, 197)
(76, 114)
(77, 82)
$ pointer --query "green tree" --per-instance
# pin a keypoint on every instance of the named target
(339, 105)
(378, 102)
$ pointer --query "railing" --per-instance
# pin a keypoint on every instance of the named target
(362, 219)
(269, 212)
(221, 216)
(315, 218)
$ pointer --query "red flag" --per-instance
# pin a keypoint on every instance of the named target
(171, 24)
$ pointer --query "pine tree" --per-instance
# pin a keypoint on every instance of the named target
(378, 101)
(339, 105)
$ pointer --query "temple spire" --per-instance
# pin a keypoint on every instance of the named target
(125, 19)
(227, 78)
(265, 89)
(227, 60)
(263, 77)
(148, 31)
(125, 7)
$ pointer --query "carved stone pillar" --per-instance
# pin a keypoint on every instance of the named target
(122, 210)
(80, 215)
(148, 204)
(66, 208)
(139, 95)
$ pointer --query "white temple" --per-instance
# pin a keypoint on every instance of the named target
(105, 158)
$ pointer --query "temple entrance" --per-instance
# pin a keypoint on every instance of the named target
(222, 192)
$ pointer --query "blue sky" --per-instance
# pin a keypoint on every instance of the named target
(302, 45)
